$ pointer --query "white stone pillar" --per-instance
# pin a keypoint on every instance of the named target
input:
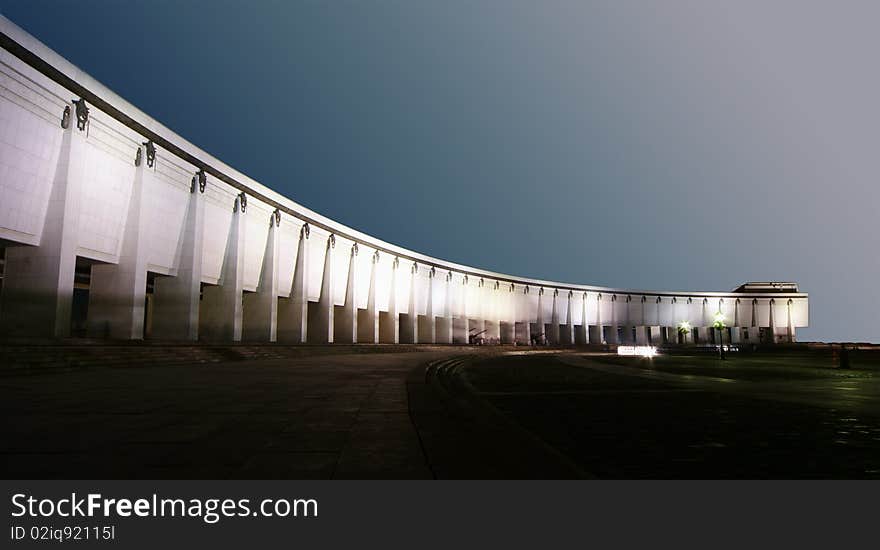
(293, 312)
(368, 321)
(541, 328)
(736, 328)
(496, 311)
(515, 315)
(596, 336)
(428, 324)
(445, 335)
(735, 335)
(346, 318)
(523, 325)
(413, 310)
(176, 299)
(409, 330)
(553, 336)
(507, 315)
(772, 323)
(117, 292)
(628, 327)
(222, 306)
(38, 280)
(461, 327)
(613, 334)
(644, 320)
(659, 308)
(261, 307)
(389, 323)
(480, 325)
(584, 337)
(321, 323)
(706, 328)
(755, 331)
(568, 337)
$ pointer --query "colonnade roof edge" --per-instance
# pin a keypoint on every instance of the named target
(50, 64)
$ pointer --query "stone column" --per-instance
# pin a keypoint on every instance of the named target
(507, 310)
(659, 308)
(691, 337)
(389, 325)
(496, 311)
(735, 335)
(644, 320)
(553, 337)
(512, 311)
(568, 338)
(460, 323)
(428, 325)
(176, 299)
(261, 307)
(117, 292)
(674, 316)
(38, 281)
(222, 305)
(582, 334)
(481, 309)
(706, 328)
(347, 318)
(446, 334)
(735, 329)
(755, 330)
(523, 334)
(368, 321)
(628, 326)
(541, 327)
(410, 331)
(293, 312)
(772, 323)
(321, 323)
(612, 336)
(596, 336)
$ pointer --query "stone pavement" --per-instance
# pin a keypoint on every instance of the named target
(337, 416)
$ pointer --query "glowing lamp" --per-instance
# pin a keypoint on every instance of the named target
(642, 351)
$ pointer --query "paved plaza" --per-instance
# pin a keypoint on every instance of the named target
(477, 414)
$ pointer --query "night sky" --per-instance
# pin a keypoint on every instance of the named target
(659, 145)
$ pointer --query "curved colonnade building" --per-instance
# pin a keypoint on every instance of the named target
(114, 226)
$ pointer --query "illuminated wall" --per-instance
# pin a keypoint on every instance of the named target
(169, 242)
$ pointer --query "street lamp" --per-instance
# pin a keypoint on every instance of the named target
(683, 329)
(719, 324)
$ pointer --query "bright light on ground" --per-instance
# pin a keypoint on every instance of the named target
(644, 351)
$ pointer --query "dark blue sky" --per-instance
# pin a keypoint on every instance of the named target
(664, 145)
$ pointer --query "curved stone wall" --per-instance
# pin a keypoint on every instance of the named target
(115, 226)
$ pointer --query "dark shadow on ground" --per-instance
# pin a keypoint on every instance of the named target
(618, 426)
